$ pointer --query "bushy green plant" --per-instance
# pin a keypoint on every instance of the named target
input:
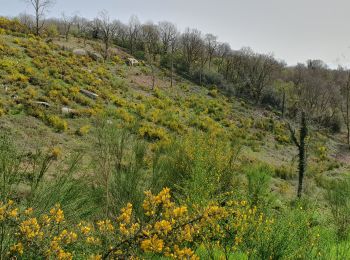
(338, 197)
(258, 190)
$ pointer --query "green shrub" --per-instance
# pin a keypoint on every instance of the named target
(258, 190)
(58, 123)
(338, 197)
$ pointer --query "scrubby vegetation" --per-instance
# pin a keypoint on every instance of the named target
(101, 160)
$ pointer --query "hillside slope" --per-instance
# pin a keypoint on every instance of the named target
(44, 104)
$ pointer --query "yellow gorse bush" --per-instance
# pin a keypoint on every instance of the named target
(168, 230)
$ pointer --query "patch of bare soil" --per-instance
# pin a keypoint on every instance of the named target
(343, 153)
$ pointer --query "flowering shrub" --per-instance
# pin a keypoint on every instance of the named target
(167, 230)
(125, 115)
(58, 123)
(84, 130)
(12, 25)
(153, 133)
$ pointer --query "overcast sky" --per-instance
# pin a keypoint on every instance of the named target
(293, 30)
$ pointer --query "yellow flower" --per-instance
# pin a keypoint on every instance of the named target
(2, 213)
(13, 213)
(85, 230)
(56, 152)
(92, 240)
(163, 226)
(243, 203)
(238, 240)
(62, 255)
(185, 253)
(179, 211)
(30, 228)
(68, 237)
(125, 215)
(57, 213)
(105, 225)
(153, 244)
(95, 257)
(28, 211)
(17, 248)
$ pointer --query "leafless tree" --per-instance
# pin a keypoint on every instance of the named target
(223, 52)
(83, 26)
(173, 46)
(68, 22)
(169, 37)
(40, 8)
(121, 33)
(133, 32)
(150, 36)
(211, 45)
(345, 99)
(107, 29)
(191, 42)
(203, 59)
(27, 20)
(255, 71)
(168, 33)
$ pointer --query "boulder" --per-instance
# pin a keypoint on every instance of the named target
(80, 52)
(95, 56)
(67, 111)
(89, 93)
(132, 61)
(41, 103)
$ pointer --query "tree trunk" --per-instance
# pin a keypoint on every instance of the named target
(37, 22)
(347, 111)
(172, 69)
(106, 50)
(301, 144)
(283, 103)
(302, 153)
(153, 77)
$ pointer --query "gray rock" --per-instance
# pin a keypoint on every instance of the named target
(95, 56)
(89, 93)
(80, 52)
(67, 111)
(132, 61)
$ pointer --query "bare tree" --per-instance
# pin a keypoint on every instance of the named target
(168, 33)
(83, 26)
(315, 91)
(68, 22)
(223, 52)
(254, 72)
(211, 45)
(27, 20)
(169, 37)
(150, 35)
(121, 33)
(40, 8)
(133, 32)
(345, 104)
(203, 59)
(191, 42)
(107, 29)
(173, 46)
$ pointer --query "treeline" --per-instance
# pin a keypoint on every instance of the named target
(322, 93)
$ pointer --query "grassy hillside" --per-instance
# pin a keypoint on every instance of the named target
(33, 71)
(93, 155)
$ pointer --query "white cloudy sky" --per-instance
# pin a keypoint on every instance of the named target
(294, 30)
